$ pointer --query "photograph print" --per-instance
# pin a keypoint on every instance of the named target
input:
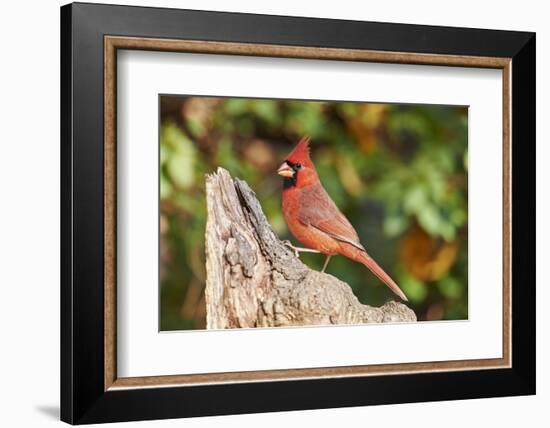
(282, 213)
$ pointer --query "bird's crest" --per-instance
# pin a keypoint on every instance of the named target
(300, 152)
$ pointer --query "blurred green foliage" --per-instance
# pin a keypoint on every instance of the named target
(398, 172)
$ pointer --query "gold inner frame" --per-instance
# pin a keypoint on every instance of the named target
(113, 43)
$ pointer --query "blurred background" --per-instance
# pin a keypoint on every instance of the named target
(398, 172)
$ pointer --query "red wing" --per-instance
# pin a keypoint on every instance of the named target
(318, 210)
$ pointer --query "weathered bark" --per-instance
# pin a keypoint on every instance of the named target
(255, 280)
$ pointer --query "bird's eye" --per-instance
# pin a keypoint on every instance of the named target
(298, 166)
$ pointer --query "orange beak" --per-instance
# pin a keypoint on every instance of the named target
(285, 170)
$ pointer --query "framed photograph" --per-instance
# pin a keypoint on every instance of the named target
(266, 213)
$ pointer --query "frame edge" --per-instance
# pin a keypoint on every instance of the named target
(66, 316)
(145, 404)
(523, 149)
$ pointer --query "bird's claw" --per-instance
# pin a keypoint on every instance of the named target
(289, 245)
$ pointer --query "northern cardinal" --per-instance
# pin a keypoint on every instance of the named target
(315, 220)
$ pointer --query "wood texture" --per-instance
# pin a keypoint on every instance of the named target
(507, 213)
(109, 212)
(255, 280)
(308, 373)
(113, 43)
(303, 52)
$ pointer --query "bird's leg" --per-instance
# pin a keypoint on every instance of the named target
(298, 250)
(326, 263)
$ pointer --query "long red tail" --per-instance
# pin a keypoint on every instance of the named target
(364, 258)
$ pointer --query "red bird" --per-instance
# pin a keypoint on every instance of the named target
(315, 220)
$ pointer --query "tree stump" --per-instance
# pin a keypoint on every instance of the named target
(255, 280)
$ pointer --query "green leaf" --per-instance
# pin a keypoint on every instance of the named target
(428, 218)
(266, 110)
(165, 187)
(235, 106)
(415, 200)
(395, 225)
(196, 127)
(415, 290)
(450, 287)
(181, 161)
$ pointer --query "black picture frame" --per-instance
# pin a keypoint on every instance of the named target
(83, 398)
